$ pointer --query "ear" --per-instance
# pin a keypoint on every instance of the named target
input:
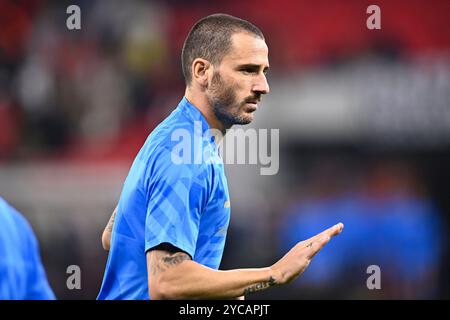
(201, 71)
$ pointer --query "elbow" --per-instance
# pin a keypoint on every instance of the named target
(161, 292)
(165, 290)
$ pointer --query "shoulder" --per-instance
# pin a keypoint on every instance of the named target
(165, 162)
(165, 172)
(176, 144)
(163, 137)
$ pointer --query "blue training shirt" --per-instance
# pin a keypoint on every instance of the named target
(22, 276)
(175, 192)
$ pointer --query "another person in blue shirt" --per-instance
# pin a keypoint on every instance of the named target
(22, 276)
(172, 217)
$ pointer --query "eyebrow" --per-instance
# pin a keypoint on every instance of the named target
(251, 66)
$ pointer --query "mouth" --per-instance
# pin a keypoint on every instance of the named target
(253, 105)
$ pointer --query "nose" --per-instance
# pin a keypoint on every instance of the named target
(261, 86)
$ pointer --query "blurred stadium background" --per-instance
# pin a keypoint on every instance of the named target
(364, 119)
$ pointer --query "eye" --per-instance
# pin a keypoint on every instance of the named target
(248, 71)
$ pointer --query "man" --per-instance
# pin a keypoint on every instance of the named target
(22, 276)
(171, 220)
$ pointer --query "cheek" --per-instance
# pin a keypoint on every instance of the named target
(229, 97)
(233, 91)
(239, 88)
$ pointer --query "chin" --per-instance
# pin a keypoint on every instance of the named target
(244, 119)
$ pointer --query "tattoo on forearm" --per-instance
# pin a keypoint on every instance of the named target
(161, 264)
(260, 286)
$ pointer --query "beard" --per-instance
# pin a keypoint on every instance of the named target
(224, 103)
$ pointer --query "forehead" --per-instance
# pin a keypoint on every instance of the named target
(247, 49)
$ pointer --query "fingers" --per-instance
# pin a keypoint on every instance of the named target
(316, 243)
(330, 232)
(334, 230)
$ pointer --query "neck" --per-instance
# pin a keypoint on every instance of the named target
(202, 104)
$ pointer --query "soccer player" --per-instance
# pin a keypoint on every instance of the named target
(22, 276)
(171, 220)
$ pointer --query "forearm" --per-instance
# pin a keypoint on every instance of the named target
(173, 275)
(191, 280)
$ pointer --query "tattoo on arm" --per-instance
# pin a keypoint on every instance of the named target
(260, 286)
(110, 225)
(165, 260)
(175, 258)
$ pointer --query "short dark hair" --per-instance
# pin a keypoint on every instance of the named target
(210, 39)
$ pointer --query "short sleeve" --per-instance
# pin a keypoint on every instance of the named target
(177, 195)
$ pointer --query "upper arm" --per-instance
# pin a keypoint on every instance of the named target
(177, 195)
(161, 262)
(107, 232)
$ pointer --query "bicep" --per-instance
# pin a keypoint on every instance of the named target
(161, 261)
